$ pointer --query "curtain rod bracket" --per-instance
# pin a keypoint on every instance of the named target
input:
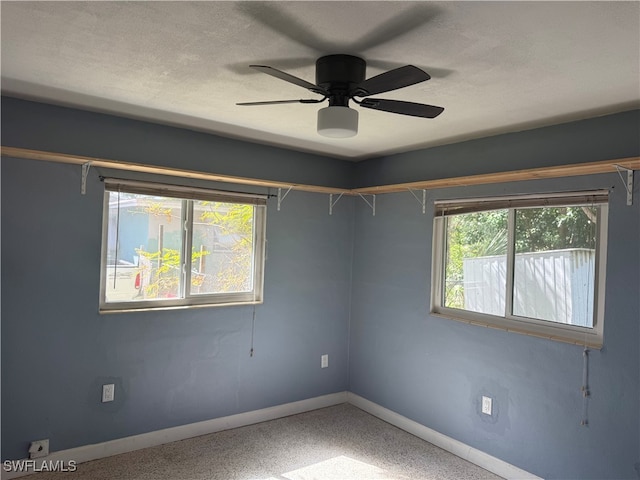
(282, 197)
(628, 184)
(372, 204)
(332, 203)
(85, 172)
(422, 202)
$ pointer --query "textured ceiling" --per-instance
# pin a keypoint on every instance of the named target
(495, 66)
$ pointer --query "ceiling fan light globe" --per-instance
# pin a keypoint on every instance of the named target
(337, 122)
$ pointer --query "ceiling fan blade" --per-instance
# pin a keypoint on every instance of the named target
(277, 102)
(434, 72)
(403, 108)
(274, 72)
(280, 19)
(391, 80)
(401, 24)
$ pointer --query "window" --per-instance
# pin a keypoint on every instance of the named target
(533, 265)
(167, 246)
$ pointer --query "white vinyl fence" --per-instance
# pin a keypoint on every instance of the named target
(556, 285)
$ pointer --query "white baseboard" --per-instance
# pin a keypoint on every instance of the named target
(470, 454)
(87, 453)
(159, 437)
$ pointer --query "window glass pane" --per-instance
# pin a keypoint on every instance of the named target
(476, 262)
(554, 269)
(144, 241)
(222, 248)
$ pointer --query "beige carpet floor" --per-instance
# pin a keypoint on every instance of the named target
(334, 443)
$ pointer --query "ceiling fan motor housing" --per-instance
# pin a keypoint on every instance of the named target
(339, 74)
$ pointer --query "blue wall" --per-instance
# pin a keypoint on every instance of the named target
(435, 371)
(600, 138)
(169, 367)
(351, 285)
(56, 129)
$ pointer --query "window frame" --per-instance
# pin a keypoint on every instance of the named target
(187, 195)
(588, 336)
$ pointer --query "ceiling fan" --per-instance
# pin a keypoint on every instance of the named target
(340, 78)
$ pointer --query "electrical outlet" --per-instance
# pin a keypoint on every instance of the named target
(324, 361)
(108, 392)
(39, 448)
(486, 405)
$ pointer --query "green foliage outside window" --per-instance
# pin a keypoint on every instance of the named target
(233, 221)
(484, 234)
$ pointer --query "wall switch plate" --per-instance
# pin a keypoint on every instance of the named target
(486, 405)
(324, 361)
(108, 392)
(39, 448)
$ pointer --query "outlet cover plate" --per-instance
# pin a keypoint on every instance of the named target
(486, 405)
(39, 448)
(108, 392)
(324, 361)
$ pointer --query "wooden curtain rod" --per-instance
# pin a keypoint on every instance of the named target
(589, 168)
(174, 172)
(570, 170)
